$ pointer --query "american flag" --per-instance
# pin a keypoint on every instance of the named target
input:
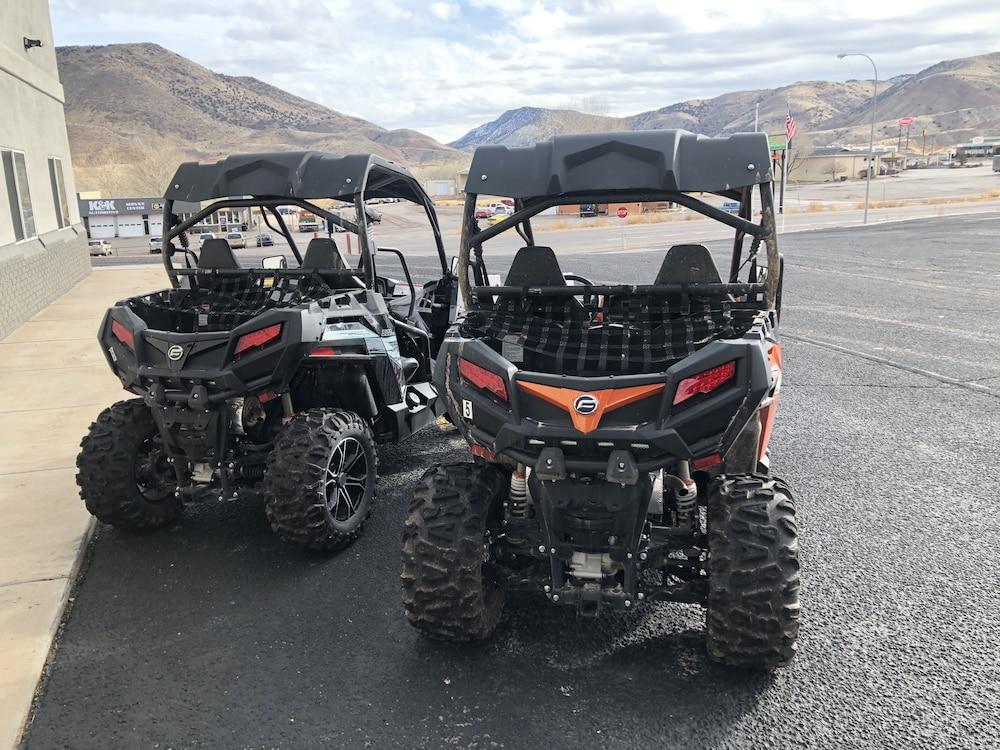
(789, 125)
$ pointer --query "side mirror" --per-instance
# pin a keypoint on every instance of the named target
(274, 262)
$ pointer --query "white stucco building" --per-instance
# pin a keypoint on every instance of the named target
(43, 249)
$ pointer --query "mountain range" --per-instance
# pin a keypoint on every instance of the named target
(954, 100)
(134, 111)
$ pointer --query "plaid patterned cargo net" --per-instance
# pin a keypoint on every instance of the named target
(623, 335)
(221, 303)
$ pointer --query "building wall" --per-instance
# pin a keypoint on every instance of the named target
(820, 168)
(35, 271)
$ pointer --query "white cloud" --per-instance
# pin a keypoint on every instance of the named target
(445, 67)
(445, 11)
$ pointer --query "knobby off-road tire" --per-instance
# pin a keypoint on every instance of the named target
(753, 559)
(450, 588)
(320, 479)
(122, 472)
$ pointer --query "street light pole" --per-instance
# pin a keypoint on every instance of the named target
(871, 137)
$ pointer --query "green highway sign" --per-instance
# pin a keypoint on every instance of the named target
(777, 142)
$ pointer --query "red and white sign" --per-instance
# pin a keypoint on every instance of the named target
(905, 120)
(622, 212)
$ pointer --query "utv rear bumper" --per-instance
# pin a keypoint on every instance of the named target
(200, 370)
(646, 434)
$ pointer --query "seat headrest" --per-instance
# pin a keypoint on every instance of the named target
(535, 266)
(216, 253)
(322, 252)
(686, 264)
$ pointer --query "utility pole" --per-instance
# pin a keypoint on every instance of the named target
(756, 113)
(871, 136)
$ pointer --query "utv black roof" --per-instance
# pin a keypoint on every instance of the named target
(653, 161)
(295, 174)
(640, 166)
(269, 180)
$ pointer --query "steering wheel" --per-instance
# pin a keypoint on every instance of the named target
(582, 281)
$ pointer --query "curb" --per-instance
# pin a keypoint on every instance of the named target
(72, 579)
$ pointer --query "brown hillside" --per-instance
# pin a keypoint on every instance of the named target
(136, 110)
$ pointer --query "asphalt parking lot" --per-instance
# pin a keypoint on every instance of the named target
(214, 634)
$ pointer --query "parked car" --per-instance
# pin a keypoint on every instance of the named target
(484, 212)
(265, 240)
(731, 207)
(155, 245)
(100, 247)
(236, 240)
(588, 209)
(205, 237)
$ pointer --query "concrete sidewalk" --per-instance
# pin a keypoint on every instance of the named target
(54, 383)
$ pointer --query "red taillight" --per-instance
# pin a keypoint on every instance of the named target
(704, 382)
(323, 351)
(706, 462)
(482, 378)
(123, 334)
(257, 339)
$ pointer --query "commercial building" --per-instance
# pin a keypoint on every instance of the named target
(834, 164)
(980, 146)
(105, 218)
(43, 247)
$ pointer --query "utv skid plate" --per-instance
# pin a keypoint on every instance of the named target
(609, 519)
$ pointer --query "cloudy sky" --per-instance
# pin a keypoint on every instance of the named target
(444, 67)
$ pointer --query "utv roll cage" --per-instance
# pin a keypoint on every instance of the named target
(643, 166)
(269, 180)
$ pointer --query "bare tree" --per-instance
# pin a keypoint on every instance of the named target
(802, 147)
(833, 170)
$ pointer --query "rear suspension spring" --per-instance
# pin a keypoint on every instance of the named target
(518, 505)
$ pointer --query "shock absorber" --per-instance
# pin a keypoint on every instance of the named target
(517, 504)
(687, 498)
(684, 491)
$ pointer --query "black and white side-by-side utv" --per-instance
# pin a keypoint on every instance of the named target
(619, 431)
(280, 379)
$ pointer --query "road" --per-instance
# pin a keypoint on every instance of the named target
(214, 634)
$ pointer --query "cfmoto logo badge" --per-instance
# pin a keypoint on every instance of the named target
(175, 352)
(585, 404)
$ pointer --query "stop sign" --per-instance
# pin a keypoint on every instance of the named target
(622, 212)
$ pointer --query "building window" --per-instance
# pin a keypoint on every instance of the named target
(16, 176)
(59, 192)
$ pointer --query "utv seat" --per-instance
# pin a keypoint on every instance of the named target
(216, 253)
(322, 252)
(537, 266)
(323, 256)
(688, 264)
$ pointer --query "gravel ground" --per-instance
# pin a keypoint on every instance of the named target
(214, 634)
